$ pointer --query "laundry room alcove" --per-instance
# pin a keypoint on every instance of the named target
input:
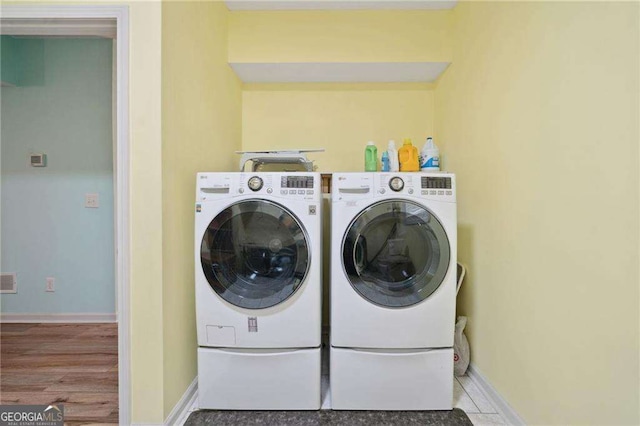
(329, 79)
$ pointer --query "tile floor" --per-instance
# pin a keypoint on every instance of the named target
(466, 395)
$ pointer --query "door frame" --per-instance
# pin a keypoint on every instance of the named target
(119, 14)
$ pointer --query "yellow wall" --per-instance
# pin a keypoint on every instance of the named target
(145, 197)
(341, 118)
(339, 36)
(201, 114)
(538, 116)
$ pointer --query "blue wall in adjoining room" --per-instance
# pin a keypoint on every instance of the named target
(21, 61)
(46, 231)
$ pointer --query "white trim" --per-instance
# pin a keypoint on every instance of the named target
(504, 409)
(54, 318)
(105, 28)
(62, 12)
(123, 210)
(180, 412)
(122, 207)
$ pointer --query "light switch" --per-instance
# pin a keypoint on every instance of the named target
(91, 201)
(51, 284)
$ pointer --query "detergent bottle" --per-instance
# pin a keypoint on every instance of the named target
(385, 162)
(408, 155)
(392, 152)
(371, 158)
(430, 157)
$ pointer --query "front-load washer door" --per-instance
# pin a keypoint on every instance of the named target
(396, 253)
(255, 254)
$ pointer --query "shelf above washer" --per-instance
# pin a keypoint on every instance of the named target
(340, 5)
(339, 72)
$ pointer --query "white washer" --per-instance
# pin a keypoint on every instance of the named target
(258, 277)
(393, 290)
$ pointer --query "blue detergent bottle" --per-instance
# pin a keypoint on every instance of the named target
(386, 167)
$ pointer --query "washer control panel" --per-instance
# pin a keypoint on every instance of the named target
(357, 186)
(439, 186)
(297, 182)
(297, 185)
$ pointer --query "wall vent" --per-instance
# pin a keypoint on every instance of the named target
(8, 283)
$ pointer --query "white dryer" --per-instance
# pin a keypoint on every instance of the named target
(393, 290)
(258, 280)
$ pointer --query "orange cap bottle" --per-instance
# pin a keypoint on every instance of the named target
(408, 155)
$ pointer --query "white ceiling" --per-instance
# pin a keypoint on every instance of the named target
(340, 4)
(378, 72)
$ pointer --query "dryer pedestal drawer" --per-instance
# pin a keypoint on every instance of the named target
(259, 379)
(399, 379)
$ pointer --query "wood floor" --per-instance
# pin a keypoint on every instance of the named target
(72, 364)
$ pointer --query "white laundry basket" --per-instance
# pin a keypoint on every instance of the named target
(460, 342)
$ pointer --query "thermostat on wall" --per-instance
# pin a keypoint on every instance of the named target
(38, 160)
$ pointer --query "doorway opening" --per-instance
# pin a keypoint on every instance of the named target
(65, 101)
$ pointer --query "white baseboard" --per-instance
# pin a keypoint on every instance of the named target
(181, 411)
(56, 318)
(504, 409)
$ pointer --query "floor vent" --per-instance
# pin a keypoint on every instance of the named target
(8, 283)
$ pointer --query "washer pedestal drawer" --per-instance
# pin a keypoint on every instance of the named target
(259, 379)
(391, 379)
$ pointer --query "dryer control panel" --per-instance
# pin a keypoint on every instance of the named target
(291, 185)
(436, 186)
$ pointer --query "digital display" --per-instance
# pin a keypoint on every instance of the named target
(296, 182)
(428, 182)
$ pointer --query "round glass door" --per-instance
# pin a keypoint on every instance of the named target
(255, 254)
(396, 253)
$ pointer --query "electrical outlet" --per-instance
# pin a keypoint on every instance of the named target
(91, 201)
(51, 284)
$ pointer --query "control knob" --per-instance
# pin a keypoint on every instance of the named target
(396, 184)
(255, 183)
